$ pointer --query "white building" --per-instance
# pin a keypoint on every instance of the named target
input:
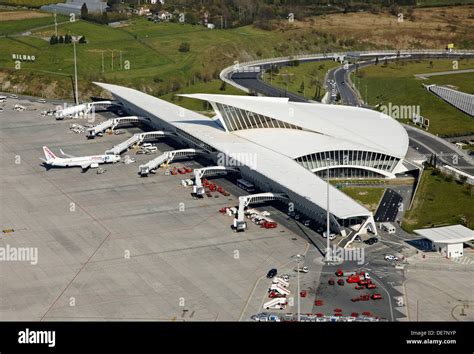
(291, 146)
(448, 240)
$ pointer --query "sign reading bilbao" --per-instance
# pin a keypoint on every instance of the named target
(23, 57)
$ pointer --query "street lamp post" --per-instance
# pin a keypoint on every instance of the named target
(298, 258)
(327, 214)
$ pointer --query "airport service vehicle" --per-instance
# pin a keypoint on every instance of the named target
(85, 162)
(391, 258)
(146, 145)
(268, 224)
(280, 289)
(277, 304)
(41, 100)
(376, 296)
(303, 293)
(186, 182)
(14, 97)
(371, 286)
(246, 185)
(302, 269)
(359, 287)
(331, 281)
(331, 236)
(1, 109)
(371, 240)
(318, 302)
(282, 282)
(3, 98)
(341, 273)
(356, 278)
(274, 294)
(340, 282)
(272, 272)
(388, 227)
(181, 171)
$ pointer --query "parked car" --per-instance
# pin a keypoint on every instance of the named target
(372, 240)
(272, 272)
(391, 258)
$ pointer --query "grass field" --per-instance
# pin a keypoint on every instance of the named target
(440, 202)
(158, 68)
(8, 27)
(367, 196)
(312, 74)
(396, 84)
(462, 82)
(28, 3)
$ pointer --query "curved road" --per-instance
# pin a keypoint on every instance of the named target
(423, 142)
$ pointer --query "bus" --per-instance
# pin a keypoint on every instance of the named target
(246, 185)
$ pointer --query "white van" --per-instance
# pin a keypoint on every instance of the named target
(387, 227)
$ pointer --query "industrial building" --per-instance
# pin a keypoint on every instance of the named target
(285, 147)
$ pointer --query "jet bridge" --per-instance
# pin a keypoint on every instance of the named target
(80, 110)
(166, 157)
(112, 124)
(136, 139)
(239, 222)
(199, 173)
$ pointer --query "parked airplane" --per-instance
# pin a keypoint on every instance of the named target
(84, 162)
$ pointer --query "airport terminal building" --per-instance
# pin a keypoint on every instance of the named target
(287, 147)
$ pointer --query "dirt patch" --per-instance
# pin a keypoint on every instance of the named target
(21, 15)
(427, 28)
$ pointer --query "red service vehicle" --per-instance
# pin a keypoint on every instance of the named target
(205, 182)
(354, 314)
(274, 294)
(338, 314)
(376, 296)
(188, 170)
(367, 313)
(340, 282)
(371, 286)
(319, 315)
(359, 287)
(318, 302)
(338, 310)
(365, 297)
(181, 170)
(268, 224)
(303, 293)
(212, 187)
(341, 273)
(331, 281)
(174, 171)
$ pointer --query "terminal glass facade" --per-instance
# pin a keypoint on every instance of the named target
(349, 163)
(240, 119)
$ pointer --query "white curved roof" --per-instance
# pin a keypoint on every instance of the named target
(363, 127)
(296, 143)
(274, 165)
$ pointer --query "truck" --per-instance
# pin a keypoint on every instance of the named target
(276, 303)
(388, 227)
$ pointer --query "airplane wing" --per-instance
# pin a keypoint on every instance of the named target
(64, 154)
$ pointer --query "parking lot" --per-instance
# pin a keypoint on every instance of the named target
(115, 246)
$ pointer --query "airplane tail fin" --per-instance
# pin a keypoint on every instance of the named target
(48, 153)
